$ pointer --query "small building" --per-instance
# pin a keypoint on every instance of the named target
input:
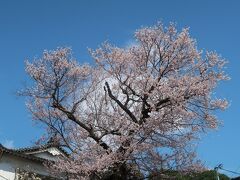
(16, 161)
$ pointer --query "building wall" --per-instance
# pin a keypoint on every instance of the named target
(9, 164)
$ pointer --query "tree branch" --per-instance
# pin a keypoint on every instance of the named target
(124, 108)
(88, 129)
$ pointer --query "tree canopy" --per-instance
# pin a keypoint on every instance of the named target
(138, 108)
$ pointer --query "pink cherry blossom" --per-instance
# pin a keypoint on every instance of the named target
(141, 105)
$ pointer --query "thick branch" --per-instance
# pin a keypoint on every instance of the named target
(124, 108)
(88, 129)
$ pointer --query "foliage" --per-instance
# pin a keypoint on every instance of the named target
(27, 175)
(205, 175)
(141, 105)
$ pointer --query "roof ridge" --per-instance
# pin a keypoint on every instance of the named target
(42, 147)
(19, 154)
(33, 147)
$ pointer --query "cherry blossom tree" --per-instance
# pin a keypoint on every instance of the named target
(139, 108)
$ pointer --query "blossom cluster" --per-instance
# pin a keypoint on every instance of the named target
(141, 105)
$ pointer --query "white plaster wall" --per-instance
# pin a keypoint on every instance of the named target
(54, 151)
(6, 171)
(8, 165)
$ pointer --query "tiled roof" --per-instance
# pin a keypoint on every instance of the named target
(40, 148)
(19, 154)
(25, 152)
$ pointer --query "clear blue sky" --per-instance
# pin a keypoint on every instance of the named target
(29, 27)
